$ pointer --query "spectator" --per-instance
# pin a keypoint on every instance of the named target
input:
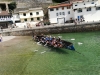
(1, 28)
(75, 21)
(0, 37)
(25, 26)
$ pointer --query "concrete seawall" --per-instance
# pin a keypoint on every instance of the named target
(54, 29)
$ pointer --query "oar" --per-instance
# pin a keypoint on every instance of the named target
(79, 53)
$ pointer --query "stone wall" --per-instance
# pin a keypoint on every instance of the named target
(54, 30)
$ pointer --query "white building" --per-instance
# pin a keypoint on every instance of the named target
(28, 17)
(88, 10)
(5, 16)
(60, 13)
(15, 18)
(31, 15)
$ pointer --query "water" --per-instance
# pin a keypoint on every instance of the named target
(26, 57)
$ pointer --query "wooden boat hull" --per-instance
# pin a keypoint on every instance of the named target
(65, 44)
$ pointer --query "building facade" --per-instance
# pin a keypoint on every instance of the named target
(60, 13)
(31, 15)
(5, 17)
(15, 18)
(88, 10)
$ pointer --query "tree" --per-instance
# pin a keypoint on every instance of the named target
(12, 6)
(59, 1)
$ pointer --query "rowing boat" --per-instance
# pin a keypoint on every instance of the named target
(53, 42)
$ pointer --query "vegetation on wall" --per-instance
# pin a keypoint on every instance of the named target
(12, 6)
(3, 7)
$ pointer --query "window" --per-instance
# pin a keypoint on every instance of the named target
(60, 13)
(31, 13)
(32, 19)
(81, 16)
(38, 18)
(68, 12)
(37, 13)
(51, 9)
(24, 14)
(56, 8)
(79, 10)
(75, 5)
(68, 7)
(62, 8)
(8, 17)
(92, 3)
(56, 14)
(89, 9)
(25, 19)
(63, 13)
(97, 8)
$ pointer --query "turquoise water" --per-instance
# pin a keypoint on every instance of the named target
(29, 58)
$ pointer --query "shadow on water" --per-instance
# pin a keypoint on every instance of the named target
(58, 50)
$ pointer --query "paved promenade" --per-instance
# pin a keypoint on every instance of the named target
(7, 38)
(48, 26)
(38, 27)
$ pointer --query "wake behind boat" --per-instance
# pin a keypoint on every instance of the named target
(53, 42)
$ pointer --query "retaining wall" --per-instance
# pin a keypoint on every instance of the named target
(54, 29)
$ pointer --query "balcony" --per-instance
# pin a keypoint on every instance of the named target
(5, 19)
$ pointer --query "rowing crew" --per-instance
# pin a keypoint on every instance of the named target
(53, 42)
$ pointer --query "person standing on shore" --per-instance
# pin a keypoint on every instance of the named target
(1, 28)
(0, 37)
